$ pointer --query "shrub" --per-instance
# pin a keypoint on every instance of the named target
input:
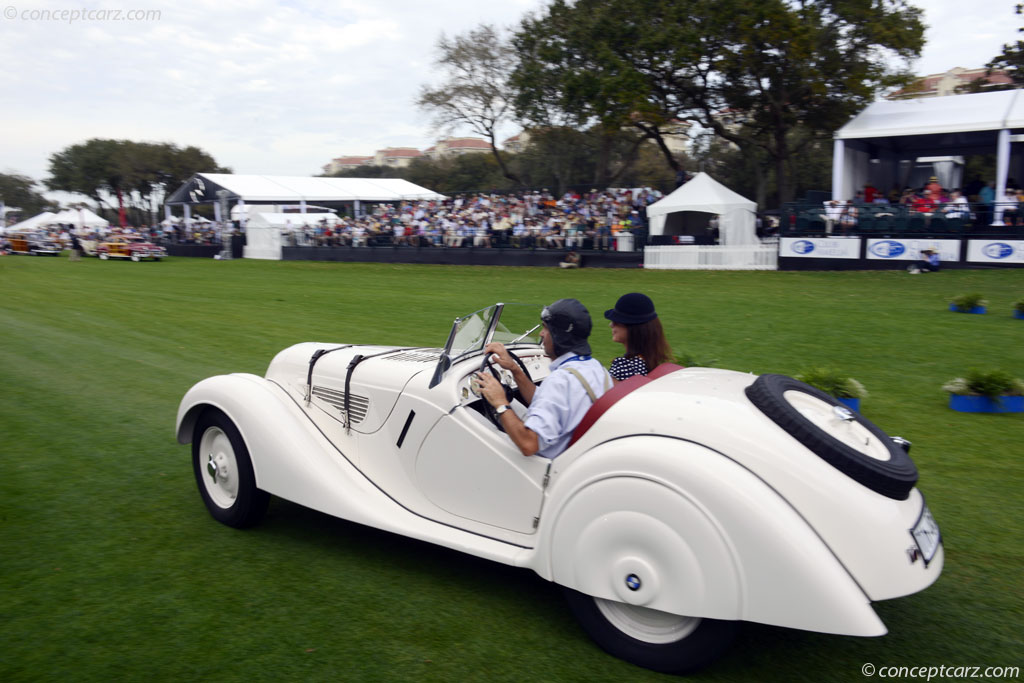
(689, 360)
(965, 302)
(832, 382)
(1018, 305)
(990, 383)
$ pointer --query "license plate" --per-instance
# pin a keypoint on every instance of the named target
(926, 535)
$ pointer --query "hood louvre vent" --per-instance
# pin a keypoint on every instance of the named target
(357, 404)
(416, 356)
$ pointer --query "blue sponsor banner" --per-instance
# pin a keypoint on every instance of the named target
(820, 247)
(894, 249)
(995, 251)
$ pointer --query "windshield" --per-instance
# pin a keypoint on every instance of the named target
(506, 323)
(470, 332)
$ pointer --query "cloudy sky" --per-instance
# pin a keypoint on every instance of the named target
(281, 87)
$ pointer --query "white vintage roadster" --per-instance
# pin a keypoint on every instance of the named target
(688, 501)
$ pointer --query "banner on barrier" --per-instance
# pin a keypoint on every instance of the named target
(910, 249)
(820, 247)
(995, 251)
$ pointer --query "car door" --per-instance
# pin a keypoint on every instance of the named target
(467, 468)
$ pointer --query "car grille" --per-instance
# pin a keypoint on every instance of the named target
(357, 404)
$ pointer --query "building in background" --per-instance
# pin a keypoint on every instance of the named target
(953, 82)
(345, 163)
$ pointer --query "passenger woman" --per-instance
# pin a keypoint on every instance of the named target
(635, 325)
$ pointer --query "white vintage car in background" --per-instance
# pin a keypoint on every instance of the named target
(688, 501)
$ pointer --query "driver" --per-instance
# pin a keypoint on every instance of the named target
(557, 406)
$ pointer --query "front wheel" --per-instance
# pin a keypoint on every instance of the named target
(223, 471)
(104, 256)
(135, 257)
(655, 640)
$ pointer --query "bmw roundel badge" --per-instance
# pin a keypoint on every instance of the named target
(803, 246)
(633, 582)
(997, 250)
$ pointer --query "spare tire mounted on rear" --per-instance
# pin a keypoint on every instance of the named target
(841, 437)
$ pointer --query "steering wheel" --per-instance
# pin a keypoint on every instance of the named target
(488, 364)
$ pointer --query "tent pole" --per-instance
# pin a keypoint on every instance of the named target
(1002, 166)
(838, 165)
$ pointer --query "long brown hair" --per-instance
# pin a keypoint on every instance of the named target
(648, 341)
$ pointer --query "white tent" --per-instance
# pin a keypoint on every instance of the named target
(689, 208)
(263, 231)
(35, 222)
(882, 144)
(81, 218)
(290, 220)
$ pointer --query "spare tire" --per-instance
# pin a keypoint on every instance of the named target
(838, 435)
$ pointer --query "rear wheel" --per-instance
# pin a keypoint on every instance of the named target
(224, 474)
(655, 640)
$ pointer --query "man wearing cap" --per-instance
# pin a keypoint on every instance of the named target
(558, 405)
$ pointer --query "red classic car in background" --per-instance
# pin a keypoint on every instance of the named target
(129, 246)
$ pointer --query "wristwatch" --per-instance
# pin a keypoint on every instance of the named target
(501, 409)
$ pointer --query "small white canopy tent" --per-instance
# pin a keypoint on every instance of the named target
(263, 232)
(690, 207)
(35, 222)
(881, 143)
(81, 218)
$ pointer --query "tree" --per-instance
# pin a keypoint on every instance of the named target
(570, 74)
(474, 93)
(769, 66)
(1011, 59)
(134, 172)
(18, 191)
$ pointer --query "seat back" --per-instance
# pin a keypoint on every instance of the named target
(616, 394)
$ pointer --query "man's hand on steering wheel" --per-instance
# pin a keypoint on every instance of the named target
(491, 389)
(501, 355)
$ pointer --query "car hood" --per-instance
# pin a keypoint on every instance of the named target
(375, 383)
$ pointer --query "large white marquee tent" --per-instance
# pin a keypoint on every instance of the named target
(207, 188)
(882, 144)
(688, 209)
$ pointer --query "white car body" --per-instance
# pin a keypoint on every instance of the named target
(682, 497)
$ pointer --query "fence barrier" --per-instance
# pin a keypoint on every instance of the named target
(764, 256)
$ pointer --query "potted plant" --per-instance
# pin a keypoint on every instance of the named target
(986, 391)
(968, 303)
(846, 389)
(1018, 309)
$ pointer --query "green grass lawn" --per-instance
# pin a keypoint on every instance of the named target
(111, 569)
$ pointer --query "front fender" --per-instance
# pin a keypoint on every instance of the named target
(290, 457)
(701, 535)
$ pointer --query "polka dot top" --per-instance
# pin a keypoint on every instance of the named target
(627, 366)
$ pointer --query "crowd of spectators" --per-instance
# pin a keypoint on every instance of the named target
(589, 220)
(930, 201)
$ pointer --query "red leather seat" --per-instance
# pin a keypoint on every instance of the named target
(615, 394)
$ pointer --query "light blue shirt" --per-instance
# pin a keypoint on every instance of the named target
(561, 401)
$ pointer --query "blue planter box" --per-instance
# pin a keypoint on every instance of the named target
(1018, 315)
(984, 404)
(976, 309)
(851, 403)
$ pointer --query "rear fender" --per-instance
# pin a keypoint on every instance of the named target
(672, 525)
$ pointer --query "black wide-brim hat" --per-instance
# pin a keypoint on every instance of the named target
(632, 309)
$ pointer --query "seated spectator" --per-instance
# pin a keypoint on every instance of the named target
(925, 203)
(1009, 204)
(848, 219)
(957, 206)
(929, 262)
